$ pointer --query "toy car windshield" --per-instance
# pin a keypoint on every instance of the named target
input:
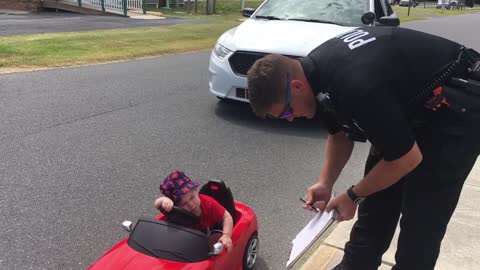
(169, 241)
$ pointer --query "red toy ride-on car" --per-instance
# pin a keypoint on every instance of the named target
(158, 245)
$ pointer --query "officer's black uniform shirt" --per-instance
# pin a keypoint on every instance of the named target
(371, 73)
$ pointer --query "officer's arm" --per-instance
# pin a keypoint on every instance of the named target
(338, 151)
(387, 173)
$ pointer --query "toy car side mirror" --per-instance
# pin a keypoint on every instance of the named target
(217, 248)
(127, 225)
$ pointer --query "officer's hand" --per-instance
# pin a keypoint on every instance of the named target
(318, 195)
(344, 205)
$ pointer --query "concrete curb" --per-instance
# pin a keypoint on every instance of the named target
(13, 12)
(325, 257)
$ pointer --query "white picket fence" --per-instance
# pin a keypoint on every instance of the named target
(109, 5)
(114, 5)
(134, 4)
(95, 4)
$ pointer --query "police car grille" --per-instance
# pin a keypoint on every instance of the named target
(242, 61)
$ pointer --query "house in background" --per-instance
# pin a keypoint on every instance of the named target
(30, 5)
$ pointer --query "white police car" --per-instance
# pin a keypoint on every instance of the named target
(288, 27)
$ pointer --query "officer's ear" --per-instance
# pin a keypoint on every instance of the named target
(297, 85)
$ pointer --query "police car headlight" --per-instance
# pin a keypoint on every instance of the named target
(220, 51)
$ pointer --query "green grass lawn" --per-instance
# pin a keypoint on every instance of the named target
(64, 49)
(420, 11)
(26, 52)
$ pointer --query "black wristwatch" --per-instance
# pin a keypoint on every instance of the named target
(354, 197)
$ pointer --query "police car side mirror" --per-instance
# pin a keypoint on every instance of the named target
(368, 18)
(389, 21)
(247, 12)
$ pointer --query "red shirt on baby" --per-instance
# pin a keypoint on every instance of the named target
(212, 213)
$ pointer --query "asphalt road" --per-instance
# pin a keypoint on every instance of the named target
(82, 149)
(50, 21)
(462, 29)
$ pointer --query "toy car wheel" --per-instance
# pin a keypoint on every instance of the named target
(251, 252)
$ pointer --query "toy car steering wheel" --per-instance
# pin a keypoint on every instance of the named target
(181, 217)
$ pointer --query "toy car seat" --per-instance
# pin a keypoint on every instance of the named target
(218, 190)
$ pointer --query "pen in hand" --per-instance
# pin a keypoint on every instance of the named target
(314, 208)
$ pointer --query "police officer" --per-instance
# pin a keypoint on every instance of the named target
(377, 84)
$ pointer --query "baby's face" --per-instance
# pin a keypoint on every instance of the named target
(191, 202)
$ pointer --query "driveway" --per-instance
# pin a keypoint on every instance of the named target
(50, 21)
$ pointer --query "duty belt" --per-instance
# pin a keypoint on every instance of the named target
(456, 86)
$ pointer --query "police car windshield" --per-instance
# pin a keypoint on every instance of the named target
(342, 12)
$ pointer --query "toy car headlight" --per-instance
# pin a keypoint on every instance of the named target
(220, 51)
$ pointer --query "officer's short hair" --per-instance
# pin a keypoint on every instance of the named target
(267, 80)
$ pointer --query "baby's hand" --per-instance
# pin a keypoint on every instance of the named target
(226, 240)
(164, 203)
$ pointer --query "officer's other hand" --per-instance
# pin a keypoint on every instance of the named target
(317, 195)
(344, 205)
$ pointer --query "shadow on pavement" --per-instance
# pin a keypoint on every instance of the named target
(239, 113)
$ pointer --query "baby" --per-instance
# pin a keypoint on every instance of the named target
(180, 191)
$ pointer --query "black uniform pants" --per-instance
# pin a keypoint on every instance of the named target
(423, 201)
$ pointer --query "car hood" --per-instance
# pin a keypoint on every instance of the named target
(283, 37)
(123, 257)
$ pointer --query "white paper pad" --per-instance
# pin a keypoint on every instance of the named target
(308, 235)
